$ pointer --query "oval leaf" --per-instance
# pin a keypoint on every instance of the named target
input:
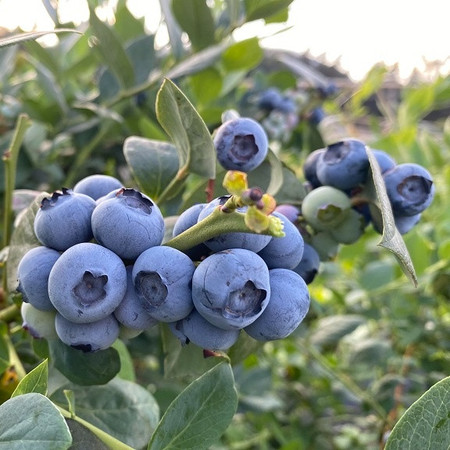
(154, 163)
(82, 368)
(391, 240)
(35, 417)
(200, 414)
(187, 130)
(121, 408)
(243, 55)
(34, 381)
(426, 423)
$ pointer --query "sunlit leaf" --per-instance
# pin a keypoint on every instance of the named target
(32, 35)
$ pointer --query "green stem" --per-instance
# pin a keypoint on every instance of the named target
(346, 381)
(9, 313)
(106, 438)
(10, 158)
(218, 222)
(14, 358)
(173, 186)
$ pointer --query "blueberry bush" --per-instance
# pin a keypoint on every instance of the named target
(209, 244)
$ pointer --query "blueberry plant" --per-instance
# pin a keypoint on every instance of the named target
(190, 235)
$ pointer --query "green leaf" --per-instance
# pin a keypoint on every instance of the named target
(206, 85)
(23, 239)
(195, 17)
(31, 421)
(245, 54)
(142, 56)
(426, 423)
(82, 368)
(187, 130)
(200, 414)
(34, 381)
(391, 238)
(153, 163)
(292, 190)
(121, 408)
(126, 361)
(111, 50)
(32, 35)
(260, 9)
(83, 438)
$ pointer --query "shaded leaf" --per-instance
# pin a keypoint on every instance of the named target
(195, 17)
(83, 438)
(426, 423)
(34, 381)
(200, 414)
(153, 163)
(82, 368)
(121, 408)
(35, 417)
(187, 130)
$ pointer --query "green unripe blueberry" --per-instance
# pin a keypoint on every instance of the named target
(326, 246)
(325, 207)
(40, 324)
(350, 229)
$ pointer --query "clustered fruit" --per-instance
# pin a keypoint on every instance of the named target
(103, 269)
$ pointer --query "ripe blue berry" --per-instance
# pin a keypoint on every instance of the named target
(291, 212)
(128, 223)
(231, 288)
(32, 274)
(310, 167)
(131, 311)
(249, 241)
(87, 283)
(385, 161)
(309, 265)
(196, 329)
(410, 189)
(270, 99)
(406, 223)
(64, 219)
(284, 251)
(162, 278)
(97, 186)
(241, 144)
(344, 165)
(288, 306)
(88, 337)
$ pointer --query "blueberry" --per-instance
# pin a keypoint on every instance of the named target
(186, 220)
(97, 186)
(40, 324)
(316, 115)
(231, 288)
(131, 311)
(162, 278)
(88, 337)
(284, 251)
(344, 165)
(32, 274)
(287, 105)
(310, 167)
(291, 212)
(128, 223)
(309, 264)
(324, 207)
(64, 219)
(385, 161)
(241, 144)
(406, 223)
(270, 99)
(196, 329)
(410, 189)
(288, 306)
(249, 241)
(87, 283)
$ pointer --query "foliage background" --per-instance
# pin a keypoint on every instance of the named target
(372, 343)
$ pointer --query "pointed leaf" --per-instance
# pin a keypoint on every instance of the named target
(187, 130)
(153, 163)
(32, 35)
(32, 421)
(391, 239)
(34, 381)
(426, 423)
(260, 9)
(245, 54)
(200, 414)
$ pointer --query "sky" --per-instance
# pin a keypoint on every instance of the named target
(353, 34)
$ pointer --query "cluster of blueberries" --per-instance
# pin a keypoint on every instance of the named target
(103, 269)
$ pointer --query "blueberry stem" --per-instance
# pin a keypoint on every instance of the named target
(216, 223)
